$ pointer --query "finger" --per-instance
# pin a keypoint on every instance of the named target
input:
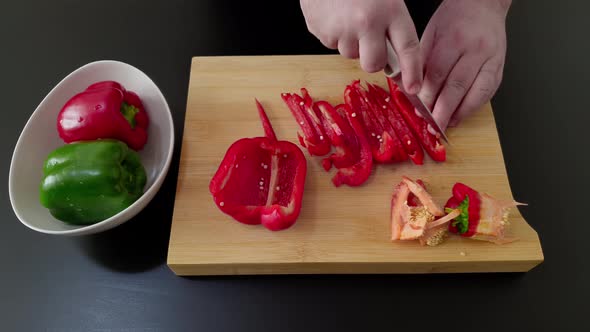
(456, 87)
(439, 64)
(373, 52)
(485, 85)
(427, 41)
(404, 39)
(349, 48)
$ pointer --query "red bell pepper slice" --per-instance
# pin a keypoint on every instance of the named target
(306, 97)
(419, 126)
(381, 143)
(261, 180)
(314, 138)
(341, 135)
(399, 153)
(358, 173)
(409, 141)
(104, 110)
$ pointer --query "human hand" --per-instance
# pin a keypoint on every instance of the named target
(358, 29)
(464, 47)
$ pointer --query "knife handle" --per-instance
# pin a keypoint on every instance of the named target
(392, 68)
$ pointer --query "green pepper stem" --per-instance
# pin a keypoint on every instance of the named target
(129, 112)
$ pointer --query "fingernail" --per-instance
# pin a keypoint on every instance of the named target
(431, 130)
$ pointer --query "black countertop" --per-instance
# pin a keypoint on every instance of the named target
(119, 280)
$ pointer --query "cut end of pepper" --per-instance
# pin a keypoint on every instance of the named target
(129, 112)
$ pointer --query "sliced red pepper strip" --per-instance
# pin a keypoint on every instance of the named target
(409, 141)
(399, 153)
(429, 142)
(313, 136)
(341, 135)
(358, 173)
(306, 97)
(381, 145)
(261, 180)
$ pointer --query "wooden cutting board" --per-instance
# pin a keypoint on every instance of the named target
(340, 230)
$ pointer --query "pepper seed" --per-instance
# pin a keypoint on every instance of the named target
(353, 115)
(221, 204)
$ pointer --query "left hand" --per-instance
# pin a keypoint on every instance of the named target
(464, 46)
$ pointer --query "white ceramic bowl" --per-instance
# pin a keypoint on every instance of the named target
(39, 137)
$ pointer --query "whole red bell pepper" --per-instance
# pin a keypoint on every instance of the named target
(104, 110)
(261, 180)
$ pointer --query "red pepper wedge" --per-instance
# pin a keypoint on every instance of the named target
(341, 135)
(314, 138)
(358, 173)
(399, 153)
(104, 110)
(429, 142)
(381, 144)
(409, 141)
(261, 180)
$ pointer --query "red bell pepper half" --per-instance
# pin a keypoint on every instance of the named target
(104, 110)
(481, 216)
(405, 135)
(314, 138)
(261, 180)
(360, 171)
(381, 143)
(419, 126)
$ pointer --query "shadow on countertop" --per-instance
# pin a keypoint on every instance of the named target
(141, 243)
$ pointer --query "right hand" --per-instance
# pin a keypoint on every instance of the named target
(358, 29)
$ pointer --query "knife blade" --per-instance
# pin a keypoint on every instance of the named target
(393, 70)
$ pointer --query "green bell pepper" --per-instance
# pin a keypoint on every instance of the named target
(89, 181)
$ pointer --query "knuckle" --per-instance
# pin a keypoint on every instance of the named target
(457, 85)
(436, 74)
(410, 46)
(483, 45)
(363, 20)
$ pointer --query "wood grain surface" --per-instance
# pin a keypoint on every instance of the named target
(340, 230)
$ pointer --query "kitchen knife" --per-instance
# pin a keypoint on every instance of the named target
(393, 70)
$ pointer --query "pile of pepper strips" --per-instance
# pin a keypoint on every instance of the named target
(98, 172)
(372, 125)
